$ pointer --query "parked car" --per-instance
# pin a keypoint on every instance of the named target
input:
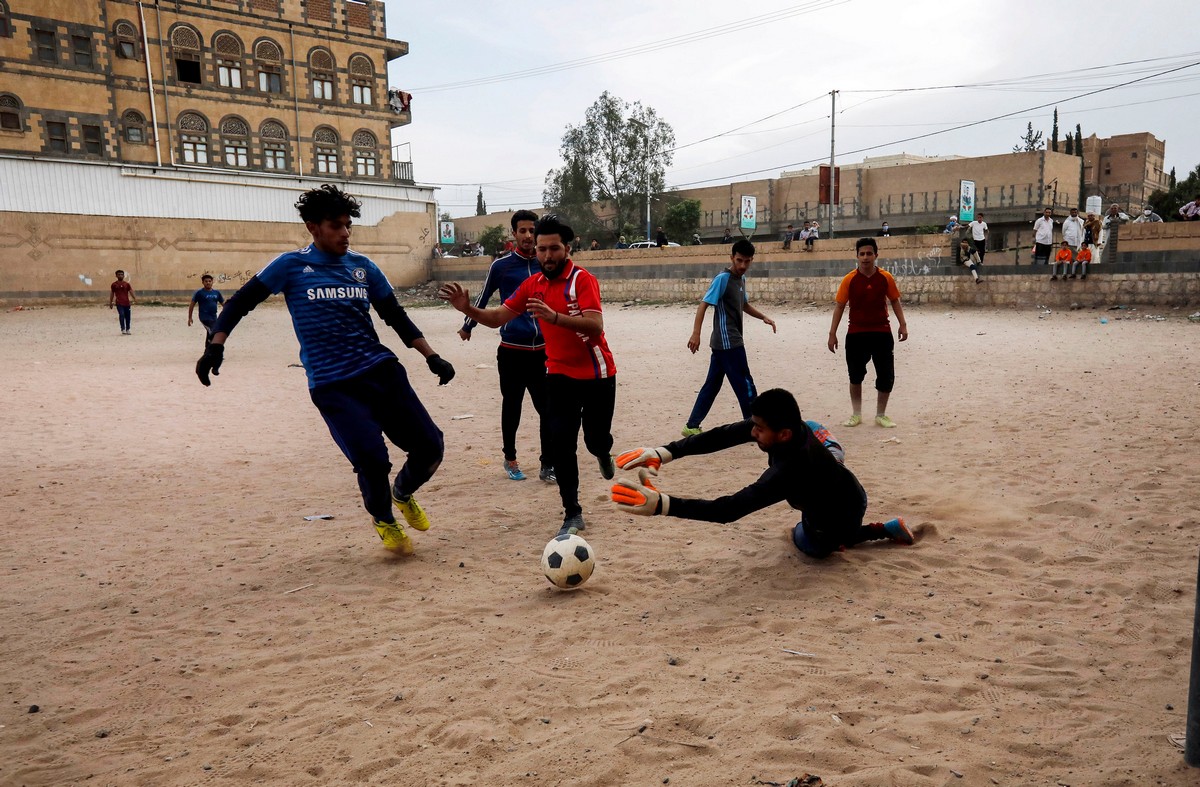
(649, 244)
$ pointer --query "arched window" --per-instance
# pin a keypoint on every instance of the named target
(5, 22)
(193, 138)
(10, 113)
(320, 65)
(134, 125)
(269, 58)
(366, 153)
(185, 50)
(325, 148)
(362, 79)
(229, 60)
(235, 142)
(274, 145)
(125, 37)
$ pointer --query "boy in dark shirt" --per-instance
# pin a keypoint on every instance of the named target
(801, 470)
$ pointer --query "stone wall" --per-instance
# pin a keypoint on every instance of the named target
(923, 266)
(48, 257)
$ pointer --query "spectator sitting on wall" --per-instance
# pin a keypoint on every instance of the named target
(787, 237)
(726, 238)
(951, 226)
(661, 238)
(1148, 216)
(884, 231)
(595, 245)
(621, 244)
(1190, 211)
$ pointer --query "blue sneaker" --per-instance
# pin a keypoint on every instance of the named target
(897, 531)
(514, 470)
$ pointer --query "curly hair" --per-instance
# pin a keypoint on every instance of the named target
(550, 224)
(327, 202)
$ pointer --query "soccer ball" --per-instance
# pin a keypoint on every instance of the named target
(568, 561)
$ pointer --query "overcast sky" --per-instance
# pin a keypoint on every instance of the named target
(709, 68)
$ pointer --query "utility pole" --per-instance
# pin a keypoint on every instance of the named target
(832, 176)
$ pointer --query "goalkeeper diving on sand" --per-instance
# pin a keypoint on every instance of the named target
(804, 468)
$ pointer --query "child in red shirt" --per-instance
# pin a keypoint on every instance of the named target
(1064, 256)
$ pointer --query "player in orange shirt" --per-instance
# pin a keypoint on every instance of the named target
(868, 290)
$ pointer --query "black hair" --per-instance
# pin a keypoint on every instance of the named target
(120, 272)
(778, 410)
(206, 276)
(866, 242)
(522, 215)
(742, 247)
(327, 202)
(551, 225)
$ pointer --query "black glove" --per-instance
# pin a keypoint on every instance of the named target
(441, 367)
(210, 362)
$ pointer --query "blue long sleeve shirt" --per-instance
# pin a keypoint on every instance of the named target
(504, 276)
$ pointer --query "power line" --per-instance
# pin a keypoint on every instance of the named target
(654, 46)
(953, 128)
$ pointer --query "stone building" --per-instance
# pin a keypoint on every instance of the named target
(248, 101)
(1126, 168)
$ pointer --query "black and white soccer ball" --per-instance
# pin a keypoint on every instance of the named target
(568, 561)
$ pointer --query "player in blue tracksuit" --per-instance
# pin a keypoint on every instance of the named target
(355, 381)
(727, 296)
(521, 357)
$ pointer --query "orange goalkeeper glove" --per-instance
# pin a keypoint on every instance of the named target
(640, 497)
(650, 458)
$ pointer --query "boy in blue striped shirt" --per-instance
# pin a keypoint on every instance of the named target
(727, 296)
(355, 381)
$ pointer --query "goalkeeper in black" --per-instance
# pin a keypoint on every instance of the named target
(800, 470)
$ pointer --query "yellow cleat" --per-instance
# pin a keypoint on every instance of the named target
(414, 515)
(394, 538)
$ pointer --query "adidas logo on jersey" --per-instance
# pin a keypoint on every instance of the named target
(307, 269)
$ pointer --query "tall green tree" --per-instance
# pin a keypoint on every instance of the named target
(681, 219)
(1078, 141)
(1054, 132)
(1167, 203)
(615, 155)
(1030, 142)
(492, 240)
(1070, 147)
(480, 205)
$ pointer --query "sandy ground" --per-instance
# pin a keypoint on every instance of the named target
(177, 621)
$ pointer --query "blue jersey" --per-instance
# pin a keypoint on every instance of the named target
(207, 300)
(506, 274)
(727, 296)
(329, 298)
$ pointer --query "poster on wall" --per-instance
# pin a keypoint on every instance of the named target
(447, 231)
(966, 200)
(749, 212)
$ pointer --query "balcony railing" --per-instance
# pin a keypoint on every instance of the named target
(402, 172)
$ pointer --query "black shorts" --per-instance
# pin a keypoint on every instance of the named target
(876, 347)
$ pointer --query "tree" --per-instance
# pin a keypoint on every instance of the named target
(681, 219)
(1078, 141)
(613, 156)
(1070, 147)
(480, 205)
(491, 239)
(1030, 142)
(1054, 133)
(1167, 203)
(1171, 179)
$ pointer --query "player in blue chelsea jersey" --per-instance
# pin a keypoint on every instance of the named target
(355, 381)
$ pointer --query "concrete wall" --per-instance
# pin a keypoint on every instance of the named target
(48, 256)
(1146, 272)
